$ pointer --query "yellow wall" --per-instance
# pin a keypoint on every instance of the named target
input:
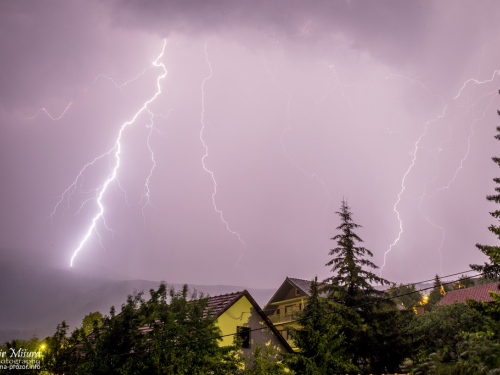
(236, 315)
(242, 314)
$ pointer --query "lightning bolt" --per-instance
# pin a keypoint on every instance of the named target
(403, 186)
(146, 195)
(123, 84)
(114, 152)
(211, 173)
(48, 114)
(305, 29)
(471, 134)
(477, 82)
(332, 68)
(414, 157)
(469, 138)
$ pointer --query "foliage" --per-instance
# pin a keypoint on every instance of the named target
(440, 329)
(405, 295)
(322, 345)
(168, 334)
(59, 349)
(462, 283)
(32, 345)
(492, 268)
(369, 321)
(482, 280)
(90, 320)
(350, 283)
(438, 291)
(266, 362)
(489, 309)
(478, 354)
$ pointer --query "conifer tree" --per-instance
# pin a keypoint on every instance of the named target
(369, 321)
(351, 283)
(492, 268)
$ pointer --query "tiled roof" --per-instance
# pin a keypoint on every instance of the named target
(219, 304)
(477, 293)
(303, 285)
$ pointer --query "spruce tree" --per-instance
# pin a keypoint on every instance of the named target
(492, 268)
(369, 321)
(351, 283)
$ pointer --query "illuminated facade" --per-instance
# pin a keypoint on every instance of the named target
(284, 305)
(238, 312)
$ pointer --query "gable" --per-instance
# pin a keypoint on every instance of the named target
(244, 312)
(290, 288)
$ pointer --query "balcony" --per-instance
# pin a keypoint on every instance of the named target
(283, 318)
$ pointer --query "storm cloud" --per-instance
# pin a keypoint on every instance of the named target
(391, 105)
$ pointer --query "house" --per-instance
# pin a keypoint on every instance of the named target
(239, 313)
(476, 293)
(283, 306)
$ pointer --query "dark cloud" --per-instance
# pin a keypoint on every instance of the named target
(304, 103)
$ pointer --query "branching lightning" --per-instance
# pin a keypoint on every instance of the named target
(403, 186)
(414, 157)
(469, 138)
(212, 175)
(332, 68)
(115, 153)
(48, 114)
(146, 190)
(126, 82)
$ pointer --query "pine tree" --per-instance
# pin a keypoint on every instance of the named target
(369, 321)
(492, 268)
(351, 284)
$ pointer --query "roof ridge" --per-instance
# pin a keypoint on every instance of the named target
(227, 294)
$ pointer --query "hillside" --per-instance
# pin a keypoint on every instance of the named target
(36, 297)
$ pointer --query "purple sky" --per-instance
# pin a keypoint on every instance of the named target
(391, 105)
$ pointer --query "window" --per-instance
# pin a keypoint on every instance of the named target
(297, 292)
(244, 335)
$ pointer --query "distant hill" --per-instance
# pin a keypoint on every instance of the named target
(35, 297)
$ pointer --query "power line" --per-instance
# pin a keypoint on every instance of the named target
(337, 310)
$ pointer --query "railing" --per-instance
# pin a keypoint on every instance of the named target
(283, 318)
